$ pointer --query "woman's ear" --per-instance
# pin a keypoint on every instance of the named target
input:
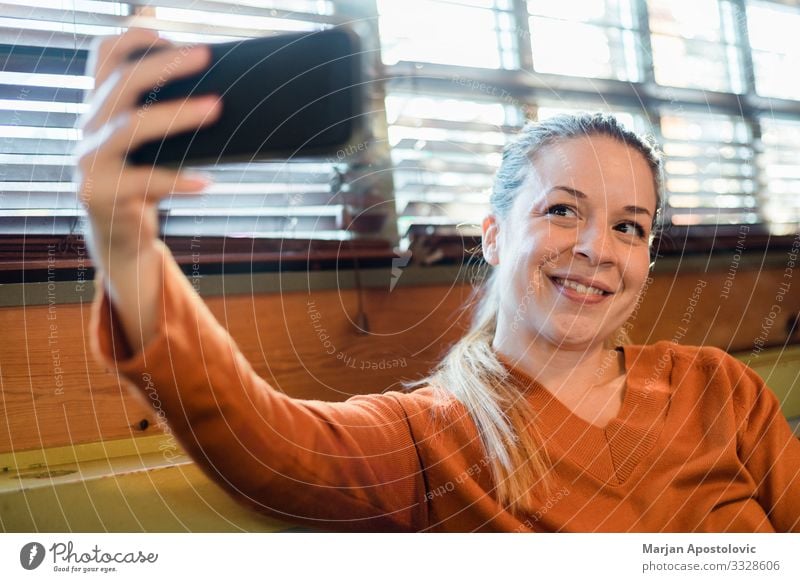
(491, 239)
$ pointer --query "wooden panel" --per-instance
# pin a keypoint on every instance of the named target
(409, 329)
(54, 393)
(748, 311)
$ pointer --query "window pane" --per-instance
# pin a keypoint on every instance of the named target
(694, 45)
(691, 19)
(445, 151)
(609, 12)
(780, 171)
(601, 52)
(773, 31)
(681, 63)
(447, 33)
(709, 172)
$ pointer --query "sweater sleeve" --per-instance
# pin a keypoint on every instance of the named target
(767, 447)
(349, 466)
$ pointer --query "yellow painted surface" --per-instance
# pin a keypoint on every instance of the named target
(132, 489)
(780, 369)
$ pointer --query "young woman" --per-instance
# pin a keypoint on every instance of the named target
(537, 420)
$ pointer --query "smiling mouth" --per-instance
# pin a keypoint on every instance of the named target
(575, 289)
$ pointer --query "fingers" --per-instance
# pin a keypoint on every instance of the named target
(161, 121)
(159, 182)
(108, 52)
(129, 81)
(126, 191)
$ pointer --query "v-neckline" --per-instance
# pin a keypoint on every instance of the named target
(612, 452)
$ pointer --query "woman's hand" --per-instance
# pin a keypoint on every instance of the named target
(121, 200)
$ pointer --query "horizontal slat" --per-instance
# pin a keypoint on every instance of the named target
(56, 18)
(706, 153)
(184, 225)
(288, 210)
(12, 34)
(42, 59)
(37, 119)
(442, 197)
(710, 200)
(36, 32)
(17, 193)
(709, 143)
(41, 172)
(46, 94)
(199, 30)
(415, 122)
(446, 147)
(716, 218)
(298, 12)
(232, 199)
(410, 184)
(438, 165)
(292, 211)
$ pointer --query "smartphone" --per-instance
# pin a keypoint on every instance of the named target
(283, 96)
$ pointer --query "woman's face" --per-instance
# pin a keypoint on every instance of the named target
(573, 253)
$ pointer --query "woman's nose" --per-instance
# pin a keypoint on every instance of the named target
(595, 245)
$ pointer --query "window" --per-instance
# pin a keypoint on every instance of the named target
(585, 38)
(623, 57)
(445, 152)
(709, 172)
(772, 29)
(779, 162)
(694, 44)
(451, 82)
(41, 92)
(477, 33)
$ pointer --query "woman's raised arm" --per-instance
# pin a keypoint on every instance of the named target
(121, 200)
(343, 466)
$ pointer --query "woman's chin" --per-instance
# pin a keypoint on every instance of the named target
(576, 338)
(564, 333)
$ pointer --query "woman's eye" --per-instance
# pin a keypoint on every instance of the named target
(631, 228)
(561, 210)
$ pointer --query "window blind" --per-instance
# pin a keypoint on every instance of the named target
(779, 163)
(679, 70)
(709, 169)
(43, 48)
(445, 152)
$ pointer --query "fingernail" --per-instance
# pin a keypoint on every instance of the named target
(198, 50)
(208, 104)
(201, 178)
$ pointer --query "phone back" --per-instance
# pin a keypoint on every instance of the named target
(283, 96)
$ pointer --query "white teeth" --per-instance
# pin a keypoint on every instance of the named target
(583, 289)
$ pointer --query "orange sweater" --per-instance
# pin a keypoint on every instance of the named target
(699, 444)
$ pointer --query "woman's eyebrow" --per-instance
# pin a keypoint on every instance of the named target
(631, 208)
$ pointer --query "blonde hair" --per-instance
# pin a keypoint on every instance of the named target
(471, 372)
